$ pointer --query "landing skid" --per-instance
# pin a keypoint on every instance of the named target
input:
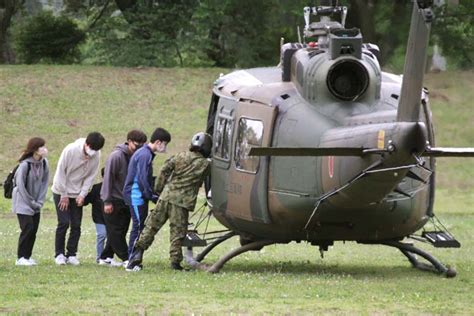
(256, 245)
(411, 251)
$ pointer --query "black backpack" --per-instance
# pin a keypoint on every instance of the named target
(9, 184)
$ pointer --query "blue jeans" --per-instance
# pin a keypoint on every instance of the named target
(139, 214)
(101, 235)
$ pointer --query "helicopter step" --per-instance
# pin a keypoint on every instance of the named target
(441, 239)
(192, 239)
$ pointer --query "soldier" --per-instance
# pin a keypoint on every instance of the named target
(178, 185)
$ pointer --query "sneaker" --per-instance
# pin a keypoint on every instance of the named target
(60, 260)
(134, 268)
(23, 262)
(125, 263)
(114, 263)
(105, 262)
(32, 261)
(72, 260)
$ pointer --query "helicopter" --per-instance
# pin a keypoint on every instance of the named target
(326, 147)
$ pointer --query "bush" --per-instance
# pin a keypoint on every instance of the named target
(47, 38)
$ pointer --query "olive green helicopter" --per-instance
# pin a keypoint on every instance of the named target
(326, 147)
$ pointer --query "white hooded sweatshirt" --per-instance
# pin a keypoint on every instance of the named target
(76, 172)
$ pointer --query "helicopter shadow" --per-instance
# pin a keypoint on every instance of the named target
(302, 268)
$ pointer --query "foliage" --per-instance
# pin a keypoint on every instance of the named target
(159, 35)
(47, 38)
(454, 31)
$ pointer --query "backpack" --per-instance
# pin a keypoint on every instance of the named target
(9, 182)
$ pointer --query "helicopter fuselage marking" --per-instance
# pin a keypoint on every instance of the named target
(331, 166)
(234, 188)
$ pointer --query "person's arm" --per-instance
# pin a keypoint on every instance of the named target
(165, 173)
(90, 176)
(20, 182)
(44, 183)
(61, 173)
(144, 166)
(111, 168)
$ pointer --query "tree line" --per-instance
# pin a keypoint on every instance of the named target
(190, 33)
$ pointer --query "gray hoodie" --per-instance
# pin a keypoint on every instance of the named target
(115, 173)
(30, 188)
(76, 172)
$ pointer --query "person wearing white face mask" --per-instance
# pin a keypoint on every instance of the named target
(29, 193)
(77, 169)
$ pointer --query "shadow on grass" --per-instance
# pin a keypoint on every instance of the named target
(329, 271)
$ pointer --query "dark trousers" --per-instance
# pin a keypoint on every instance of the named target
(139, 214)
(71, 218)
(29, 226)
(117, 225)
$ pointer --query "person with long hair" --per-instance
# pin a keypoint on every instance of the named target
(29, 193)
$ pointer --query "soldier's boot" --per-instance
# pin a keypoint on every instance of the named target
(135, 259)
(177, 266)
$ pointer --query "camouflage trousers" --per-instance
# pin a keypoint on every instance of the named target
(178, 218)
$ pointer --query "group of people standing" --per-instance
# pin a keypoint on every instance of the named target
(122, 196)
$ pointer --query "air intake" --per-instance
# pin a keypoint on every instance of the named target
(348, 80)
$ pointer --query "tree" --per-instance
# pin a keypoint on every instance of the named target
(45, 37)
(8, 9)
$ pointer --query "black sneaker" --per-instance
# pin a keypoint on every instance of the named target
(135, 260)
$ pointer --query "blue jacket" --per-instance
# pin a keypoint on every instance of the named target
(138, 184)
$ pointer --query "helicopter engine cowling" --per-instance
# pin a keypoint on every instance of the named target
(339, 68)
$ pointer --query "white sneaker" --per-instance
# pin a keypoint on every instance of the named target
(134, 269)
(72, 260)
(105, 262)
(60, 260)
(125, 263)
(114, 263)
(32, 261)
(23, 262)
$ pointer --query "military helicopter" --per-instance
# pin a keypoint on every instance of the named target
(326, 147)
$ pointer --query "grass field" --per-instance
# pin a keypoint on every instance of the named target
(62, 103)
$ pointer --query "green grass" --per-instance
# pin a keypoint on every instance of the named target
(62, 103)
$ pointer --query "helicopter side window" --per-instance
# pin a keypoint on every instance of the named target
(223, 138)
(249, 135)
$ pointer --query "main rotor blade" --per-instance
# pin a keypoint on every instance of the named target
(448, 152)
(307, 151)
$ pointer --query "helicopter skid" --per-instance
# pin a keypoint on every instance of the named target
(411, 251)
(256, 245)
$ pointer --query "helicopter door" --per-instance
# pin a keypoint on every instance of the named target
(248, 176)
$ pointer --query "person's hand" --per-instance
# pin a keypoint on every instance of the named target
(155, 198)
(108, 208)
(64, 203)
(80, 201)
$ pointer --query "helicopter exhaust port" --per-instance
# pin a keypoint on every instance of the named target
(347, 80)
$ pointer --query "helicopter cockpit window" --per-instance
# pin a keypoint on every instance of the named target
(223, 138)
(249, 135)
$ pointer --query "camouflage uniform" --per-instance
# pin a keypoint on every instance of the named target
(178, 185)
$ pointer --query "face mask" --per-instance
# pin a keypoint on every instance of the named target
(43, 151)
(90, 152)
(161, 148)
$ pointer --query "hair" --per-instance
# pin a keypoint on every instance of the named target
(137, 136)
(95, 140)
(32, 146)
(160, 134)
